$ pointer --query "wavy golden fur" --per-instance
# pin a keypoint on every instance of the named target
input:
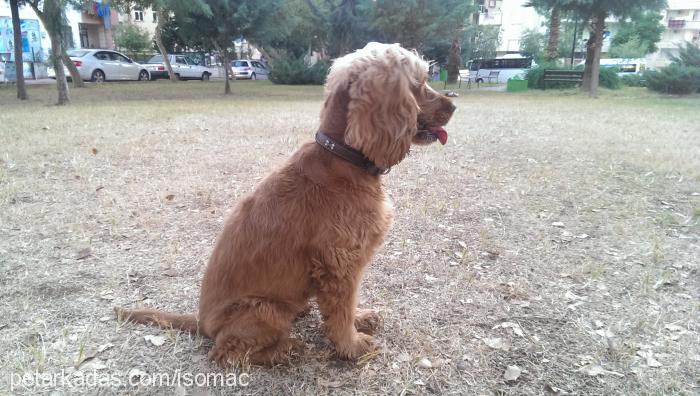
(312, 226)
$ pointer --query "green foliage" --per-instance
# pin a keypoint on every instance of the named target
(688, 55)
(609, 78)
(532, 44)
(294, 71)
(130, 38)
(637, 36)
(535, 77)
(415, 23)
(682, 77)
(630, 49)
(633, 80)
(480, 42)
(674, 79)
(349, 25)
(298, 31)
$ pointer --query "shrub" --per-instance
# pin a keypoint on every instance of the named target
(131, 38)
(633, 80)
(688, 55)
(535, 77)
(295, 71)
(609, 78)
(674, 79)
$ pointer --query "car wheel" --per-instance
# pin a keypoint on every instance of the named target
(253, 77)
(98, 76)
(143, 76)
(177, 77)
(480, 80)
(205, 77)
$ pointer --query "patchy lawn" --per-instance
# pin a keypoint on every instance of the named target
(553, 233)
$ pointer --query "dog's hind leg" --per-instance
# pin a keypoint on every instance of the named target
(258, 332)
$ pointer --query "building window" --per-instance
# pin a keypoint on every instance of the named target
(492, 3)
(155, 17)
(138, 16)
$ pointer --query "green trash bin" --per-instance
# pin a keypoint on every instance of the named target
(516, 85)
(443, 75)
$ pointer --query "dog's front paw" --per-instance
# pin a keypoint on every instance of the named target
(367, 321)
(362, 344)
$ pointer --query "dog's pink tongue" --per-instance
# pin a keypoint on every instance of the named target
(441, 134)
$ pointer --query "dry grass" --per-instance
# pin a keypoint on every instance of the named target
(117, 199)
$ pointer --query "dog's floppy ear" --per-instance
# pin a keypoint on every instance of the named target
(382, 111)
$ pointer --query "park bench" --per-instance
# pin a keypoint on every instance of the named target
(492, 74)
(464, 75)
(572, 76)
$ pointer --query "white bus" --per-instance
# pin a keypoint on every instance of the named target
(499, 70)
(624, 65)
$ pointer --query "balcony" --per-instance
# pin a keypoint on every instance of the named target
(676, 23)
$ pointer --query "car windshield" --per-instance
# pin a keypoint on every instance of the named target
(239, 64)
(156, 59)
(77, 53)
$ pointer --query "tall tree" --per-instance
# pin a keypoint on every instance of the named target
(642, 31)
(53, 17)
(223, 21)
(553, 9)
(19, 64)
(596, 11)
(425, 25)
(163, 10)
(531, 43)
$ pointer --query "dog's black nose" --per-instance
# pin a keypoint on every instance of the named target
(452, 107)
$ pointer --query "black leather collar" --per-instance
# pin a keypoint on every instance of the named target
(349, 154)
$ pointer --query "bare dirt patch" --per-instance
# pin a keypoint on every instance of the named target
(551, 247)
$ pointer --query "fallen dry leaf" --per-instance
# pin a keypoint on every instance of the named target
(425, 363)
(496, 343)
(155, 340)
(510, 325)
(83, 253)
(512, 373)
(596, 370)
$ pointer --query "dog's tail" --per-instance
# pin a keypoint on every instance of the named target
(187, 322)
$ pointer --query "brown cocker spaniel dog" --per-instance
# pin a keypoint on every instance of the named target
(311, 227)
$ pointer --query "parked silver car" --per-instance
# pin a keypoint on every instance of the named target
(249, 69)
(100, 65)
(185, 68)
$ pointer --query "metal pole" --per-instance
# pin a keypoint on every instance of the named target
(573, 45)
(33, 63)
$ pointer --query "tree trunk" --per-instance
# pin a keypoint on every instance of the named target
(61, 83)
(554, 30)
(19, 64)
(594, 47)
(228, 71)
(453, 60)
(161, 15)
(73, 70)
(52, 18)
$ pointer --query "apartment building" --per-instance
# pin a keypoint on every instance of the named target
(513, 18)
(682, 22)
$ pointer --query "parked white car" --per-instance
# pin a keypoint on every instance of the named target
(249, 69)
(185, 68)
(99, 65)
